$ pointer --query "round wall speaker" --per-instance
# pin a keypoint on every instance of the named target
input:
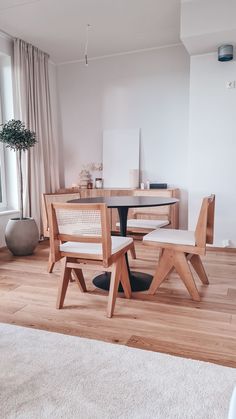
(225, 53)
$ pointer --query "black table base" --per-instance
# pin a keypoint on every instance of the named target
(139, 281)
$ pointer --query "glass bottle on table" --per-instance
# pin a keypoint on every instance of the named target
(98, 183)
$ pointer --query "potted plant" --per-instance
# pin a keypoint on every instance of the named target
(21, 233)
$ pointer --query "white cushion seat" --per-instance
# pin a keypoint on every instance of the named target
(142, 223)
(117, 243)
(171, 236)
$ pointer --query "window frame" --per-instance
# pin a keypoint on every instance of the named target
(3, 203)
(9, 177)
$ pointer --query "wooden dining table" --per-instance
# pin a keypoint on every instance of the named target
(139, 281)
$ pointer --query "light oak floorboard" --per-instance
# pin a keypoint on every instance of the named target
(168, 321)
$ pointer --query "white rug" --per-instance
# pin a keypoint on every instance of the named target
(49, 375)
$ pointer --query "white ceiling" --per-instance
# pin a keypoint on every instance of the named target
(58, 27)
(207, 24)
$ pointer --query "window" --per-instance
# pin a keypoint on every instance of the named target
(3, 202)
(8, 173)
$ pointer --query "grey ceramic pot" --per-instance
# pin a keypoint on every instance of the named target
(21, 236)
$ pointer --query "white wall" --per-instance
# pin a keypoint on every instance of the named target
(212, 143)
(147, 90)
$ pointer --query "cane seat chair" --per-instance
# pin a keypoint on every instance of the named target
(80, 236)
(179, 247)
(143, 220)
(141, 225)
(47, 199)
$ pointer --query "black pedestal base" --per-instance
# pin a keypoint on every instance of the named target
(139, 281)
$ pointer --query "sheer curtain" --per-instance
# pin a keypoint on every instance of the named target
(33, 107)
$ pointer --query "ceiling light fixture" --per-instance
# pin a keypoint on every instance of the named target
(225, 53)
(88, 26)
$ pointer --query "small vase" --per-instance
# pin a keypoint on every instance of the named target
(21, 236)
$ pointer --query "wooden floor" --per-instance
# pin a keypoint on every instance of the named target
(168, 322)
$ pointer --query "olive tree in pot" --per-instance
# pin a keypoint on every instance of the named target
(21, 233)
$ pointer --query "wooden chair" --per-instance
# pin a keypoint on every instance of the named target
(179, 247)
(143, 225)
(143, 220)
(47, 199)
(80, 236)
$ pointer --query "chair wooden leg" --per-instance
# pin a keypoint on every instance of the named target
(114, 283)
(160, 252)
(79, 277)
(164, 267)
(63, 284)
(71, 278)
(182, 267)
(160, 255)
(133, 251)
(50, 264)
(196, 263)
(125, 278)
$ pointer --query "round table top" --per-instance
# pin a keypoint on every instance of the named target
(127, 201)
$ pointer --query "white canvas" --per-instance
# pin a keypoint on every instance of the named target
(120, 156)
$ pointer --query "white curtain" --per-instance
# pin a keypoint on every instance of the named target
(33, 107)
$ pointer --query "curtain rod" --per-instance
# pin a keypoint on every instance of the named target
(6, 35)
